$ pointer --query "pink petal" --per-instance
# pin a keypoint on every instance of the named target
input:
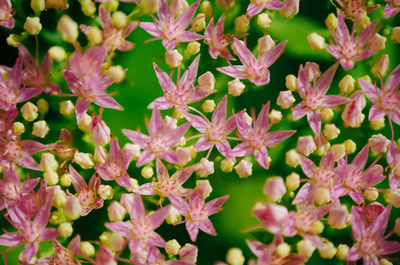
(269, 57)
(207, 227)
(219, 114)
(144, 158)
(261, 156)
(323, 83)
(393, 81)
(197, 122)
(375, 113)
(274, 138)
(262, 119)
(235, 71)
(121, 228)
(245, 55)
(77, 180)
(82, 105)
(193, 229)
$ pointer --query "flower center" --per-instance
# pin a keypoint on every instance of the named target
(368, 245)
(166, 187)
(323, 177)
(157, 145)
(11, 191)
(216, 132)
(353, 180)
(87, 197)
(257, 140)
(313, 101)
(30, 232)
(141, 230)
(12, 150)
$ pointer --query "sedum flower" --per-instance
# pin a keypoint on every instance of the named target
(169, 29)
(392, 8)
(352, 114)
(196, 212)
(64, 255)
(256, 139)
(160, 140)
(256, 70)
(216, 40)
(350, 48)
(256, 6)
(393, 159)
(6, 14)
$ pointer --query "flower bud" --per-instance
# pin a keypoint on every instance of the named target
(312, 71)
(397, 226)
(264, 21)
(242, 24)
(227, 165)
(305, 248)
(274, 188)
(73, 208)
(234, 256)
(206, 80)
(55, 218)
(57, 53)
(37, 6)
(291, 82)
(285, 99)
(18, 128)
(283, 250)
(208, 105)
(99, 130)
(66, 180)
(381, 66)
(199, 22)
(51, 178)
(59, 198)
(29, 111)
(57, 4)
(88, 7)
(395, 36)
(235, 87)
(65, 229)
(68, 28)
(339, 151)
(322, 196)
(188, 253)
(327, 115)
(331, 131)
(206, 7)
(85, 123)
(292, 181)
(113, 241)
(379, 143)
(100, 154)
(290, 8)
(275, 116)
(377, 42)
(292, 158)
(172, 247)
(173, 216)
(193, 47)
(32, 25)
(265, 43)
(85, 160)
(377, 124)
(14, 40)
(244, 169)
(385, 262)
(371, 194)
(316, 41)
(184, 155)
(205, 168)
(133, 150)
(106, 192)
(147, 172)
(347, 84)
(328, 251)
(116, 74)
(43, 106)
(317, 227)
(338, 216)
(116, 212)
(173, 58)
(364, 22)
(178, 6)
(67, 108)
(306, 145)
(205, 187)
(119, 19)
(149, 6)
(95, 36)
(331, 21)
(48, 162)
(40, 129)
(87, 249)
(350, 146)
(342, 252)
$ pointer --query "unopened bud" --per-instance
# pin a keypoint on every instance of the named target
(397, 226)
(119, 19)
(172, 247)
(291, 82)
(206, 7)
(317, 227)
(292, 158)
(40, 129)
(85, 160)
(88, 7)
(57, 53)
(147, 172)
(85, 123)
(235, 87)
(264, 21)
(73, 208)
(87, 249)
(106, 192)
(59, 199)
(116, 212)
(331, 131)
(48, 162)
(173, 58)
(116, 74)
(208, 105)
(51, 178)
(275, 116)
(285, 99)
(234, 256)
(377, 124)
(206, 80)
(338, 216)
(292, 181)
(205, 168)
(381, 66)
(350, 146)
(113, 241)
(322, 196)
(342, 252)
(328, 251)
(395, 36)
(188, 253)
(377, 42)
(68, 28)
(265, 43)
(339, 151)
(14, 40)
(283, 250)
(66, 180)
(316, 41)
(29, 111)
(193, 47)
(242, 24)
(244, 168)
(385, 262)
(305, 248)
(65, 229)
(306, 145)
(37, 5)
(347, 84)
(331, 21)
(371, 194)
(274, 188)
(18, 128)
(227, 165)
(173, 216)
(200, 22)
(32, 25)
(133, 150)
(327, 115)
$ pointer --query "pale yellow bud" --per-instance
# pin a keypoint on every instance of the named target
(43, 106)
(265, 43)
(173, 216)
(317, 227)
(350, 146)
(242, 24)
(113, 241)
(67, 108)
(322, 196)
(95, 36)
(381, 66)
(149, 6)
(132, 149)
(395, 36)
(283, 250)
(377, 42)
(55, 218)
(206, 80)
(305, 248)
(366, 78)
(193, 47)
(205, 186)
(32, 25)
(59, 199)
(316, 41)
(234, 256)
(40, 129)
(264, 21)
(347, 84)
(87, 249)
(342, 251)
(178, 114)
(227, 165)
(397, 226)
(331, 20)
(119, 19)
(29, 111)
(18, 128)
(364, 22)
(85, 160)
(206, 7)
(209, 105)
(172, 247)
(275, 116)
(385, 262)
(327, 115)
(106, 192)
(57, 53)
(331, 131)
(14, 40)
(51, 178)
(48, 162)
(65, 229)
(134, 185)
(339, 151)
(329, 250)
(244, 168)
(116, 73)
(37, 5)
(292, 158)
(291, 82)
(371, 194)
(235, 87)
(173, 58)
(85, 123)
(68, 28)
(200, 22)
(378, 124)
(88, 7)
(147, 172)
(66, 180)
(292, 181)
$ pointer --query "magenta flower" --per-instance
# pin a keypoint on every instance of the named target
(183, 93)
(393, 159)
(87, 194)
(196, 213)
(11, 92)
(315, 98)
(170, 30)
(215, 132)
(349, 48)
(140, 230)
(64, 255)
(117, 166)
(352, 114)
(30, 232)
(160, 140)
(165, 184)
(6, 14)
(356, 9)
(386, 101)
(256, 139)
(216, 40)
(256, 70)
(392, 8)
(352, 177)
(371, 245)
(267, 255)
(256, 6)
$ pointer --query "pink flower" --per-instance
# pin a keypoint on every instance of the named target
(216, 40)
(29, 232)
(386, 101)
(215, 132)
(140, 230)
(256, 70)
(370, 242)
(256, 139)
(196, 212)
(349, 48)
(256, 6)
(117, 166)
(273, 216)
(315, 99)
(352, 113)
(99, 129)
(170, 30)
(356, 9)
(393, 159)
(6, 19)
(64, 255)
(183, 93)
(160, 140)
(392, 8)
